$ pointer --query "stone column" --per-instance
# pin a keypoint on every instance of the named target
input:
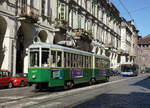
(26, 62)
(116, 64)
(10, 48)
(123, 59)
(103, 52)
(110, 57)
(99, 51)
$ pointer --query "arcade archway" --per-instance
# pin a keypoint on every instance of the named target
(25, 36)
(2, 35)
(43, 36)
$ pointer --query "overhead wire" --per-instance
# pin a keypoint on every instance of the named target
(129, 12)
(140, 9)
(126, 9)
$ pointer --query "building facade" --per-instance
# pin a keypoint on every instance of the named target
(143, 57)
(129, 39)
(90, 25)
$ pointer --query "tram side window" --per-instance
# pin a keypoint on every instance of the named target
(99, 63)
(72, 60)
(59, 59)
(65, 59)
(79, 61)
(83, 61)
(86, 61)
(34, 58)
(102, 64)
(53, 58)
(75, 60)
(89, 62)
(96, 62)
(68, 58)
(45, 57)
(107, 64)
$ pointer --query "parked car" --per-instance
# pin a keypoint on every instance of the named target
(20, 79)
(142, 71)
(5, 79)
(114, 72)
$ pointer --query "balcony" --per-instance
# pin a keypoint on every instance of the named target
(126, 53)
(60, 23)
(29, 14)
(108, 45)
(83, 34)
(133, 54)
(121, 51)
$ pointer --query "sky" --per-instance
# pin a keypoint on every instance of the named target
(138, 10)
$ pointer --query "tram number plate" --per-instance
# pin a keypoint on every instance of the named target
(56, 74)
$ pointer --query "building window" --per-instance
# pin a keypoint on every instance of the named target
(79, 21)
(43, 7)
(23, 6)
(70, 18)
(61, 9)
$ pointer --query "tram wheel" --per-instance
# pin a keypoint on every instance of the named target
(107, 79)
(22, 84)
(38, 87)
(68, 85)
(92, 81)
(10, 85)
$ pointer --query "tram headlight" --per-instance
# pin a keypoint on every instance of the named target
(33, 76)
(15, 80)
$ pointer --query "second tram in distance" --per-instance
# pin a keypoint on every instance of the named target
(129, 69)
(53, 66)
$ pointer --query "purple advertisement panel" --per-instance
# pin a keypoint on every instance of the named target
(103, 72)
(76, 73)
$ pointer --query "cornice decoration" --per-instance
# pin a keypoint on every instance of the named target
(83, 34)
(108, 45)
(120, 51)
(30, 16)
(61, 23)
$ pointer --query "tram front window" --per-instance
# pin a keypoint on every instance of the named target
(34, 58)
(45, 57)
(126, 68)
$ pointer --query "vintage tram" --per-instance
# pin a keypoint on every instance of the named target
(54, 66)
(129, 69)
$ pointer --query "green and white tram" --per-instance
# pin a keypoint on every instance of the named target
(53, 66)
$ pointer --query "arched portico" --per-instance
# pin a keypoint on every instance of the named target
(43, 36)
(2, 36)
(25, 35)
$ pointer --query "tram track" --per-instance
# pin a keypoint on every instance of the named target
(47, 96)
(74, 93)
(78, 93)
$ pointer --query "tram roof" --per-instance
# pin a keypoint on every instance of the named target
(46, 45)
(128, 63)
